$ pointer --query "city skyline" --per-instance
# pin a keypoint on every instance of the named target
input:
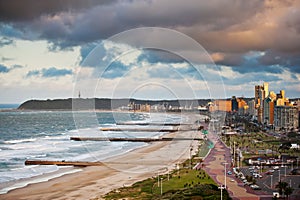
(42, 47)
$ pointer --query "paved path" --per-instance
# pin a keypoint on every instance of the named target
(213, 165)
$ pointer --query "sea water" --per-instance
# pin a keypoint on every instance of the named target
(45, 135)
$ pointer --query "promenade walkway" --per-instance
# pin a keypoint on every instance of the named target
(214, 166)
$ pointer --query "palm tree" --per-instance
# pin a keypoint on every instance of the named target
(281, 187)
(284, 188)
(288, 191)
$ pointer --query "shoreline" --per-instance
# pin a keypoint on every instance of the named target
(128, 168)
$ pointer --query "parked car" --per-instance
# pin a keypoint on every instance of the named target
(255, 187)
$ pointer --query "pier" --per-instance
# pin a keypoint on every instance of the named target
(63, 163)
(151, 124)
(137, 129)
(97, 163)
(115, 139)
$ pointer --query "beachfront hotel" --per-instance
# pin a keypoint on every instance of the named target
(275, 109)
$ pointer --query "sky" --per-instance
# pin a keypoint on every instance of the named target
(104, 48)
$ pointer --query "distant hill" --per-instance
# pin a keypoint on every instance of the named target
(101, 104)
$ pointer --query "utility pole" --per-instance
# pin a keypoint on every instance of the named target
(225, 174)
(157, 179)
(234, 153)
(271, 186)
(221, 188)
(161, 186)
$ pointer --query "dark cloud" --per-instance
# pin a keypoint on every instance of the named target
(3, 69)
(54, 21)
(228, 59)
(157, 55)
(24, 10)
(289, 60)
(232, 27)
(48, 73)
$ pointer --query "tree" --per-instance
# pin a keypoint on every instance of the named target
(281, 186)
(284, 188)
(288, 191)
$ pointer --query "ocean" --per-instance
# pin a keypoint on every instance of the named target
(45, 135)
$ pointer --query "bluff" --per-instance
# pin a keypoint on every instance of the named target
(101, 104)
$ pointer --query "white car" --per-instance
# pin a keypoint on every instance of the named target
(275, 167)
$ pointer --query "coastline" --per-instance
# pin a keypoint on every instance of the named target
(121, 170)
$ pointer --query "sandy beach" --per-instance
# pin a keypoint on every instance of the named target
(119, 171)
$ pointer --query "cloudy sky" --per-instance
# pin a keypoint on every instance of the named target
(56, 48)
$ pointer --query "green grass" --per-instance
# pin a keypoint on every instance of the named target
(182, 180)
(204, 148)
(185, 178)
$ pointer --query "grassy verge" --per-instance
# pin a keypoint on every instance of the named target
(182, 184)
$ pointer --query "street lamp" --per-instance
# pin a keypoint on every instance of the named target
(157, 179)
(161, 186)
(234, 153)
(271, 186)
(225, 174)
(221, 188)
(284, 170)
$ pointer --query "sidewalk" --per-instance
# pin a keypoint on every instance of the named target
(213, 165)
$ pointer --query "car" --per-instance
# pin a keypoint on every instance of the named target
(229, 172)
(275, 167)
(254, 186)
(232, 180)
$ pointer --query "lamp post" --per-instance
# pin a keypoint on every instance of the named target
(285, 170)
(157, 179)
(234, 153)
(221, 188)
(161, 186)
(297, 163)
(279, 176)
(191, 149)
(271, 186)
(225, 174)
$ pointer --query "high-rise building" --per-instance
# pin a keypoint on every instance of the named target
(252, 110)
(266, 89)
(268, 108)
(234, 104)
(286, 117)
(261, 92)
(220, 105)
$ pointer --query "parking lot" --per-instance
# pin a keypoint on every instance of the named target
(267, 178)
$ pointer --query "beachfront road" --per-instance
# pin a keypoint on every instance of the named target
(214, 166)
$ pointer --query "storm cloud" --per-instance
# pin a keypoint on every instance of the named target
(247, 37)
